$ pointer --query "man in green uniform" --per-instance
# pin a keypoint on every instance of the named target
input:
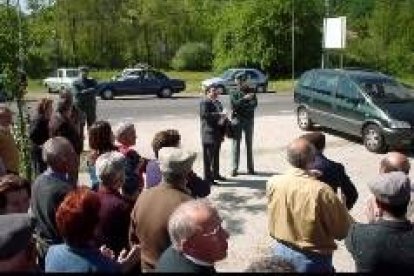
(243, 102)
(84, 96)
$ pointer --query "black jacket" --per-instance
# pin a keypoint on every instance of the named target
(334, 175)
(61, 126)
(211, 131)
(47, 194)
(39, 130)
(173, 261)
(383, 246)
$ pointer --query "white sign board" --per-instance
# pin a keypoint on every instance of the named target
(334, 32)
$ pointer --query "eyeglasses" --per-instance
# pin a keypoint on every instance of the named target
(214, 231)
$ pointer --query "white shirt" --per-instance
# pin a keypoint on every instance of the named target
(196, 261)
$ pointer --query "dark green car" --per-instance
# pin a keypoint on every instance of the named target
(364, 103)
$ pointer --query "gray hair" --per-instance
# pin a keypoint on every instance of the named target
(122, 129)
(55, 151)
(108, 166)
(300, 153)
(181, 224)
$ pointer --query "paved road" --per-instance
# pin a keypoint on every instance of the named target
(183, 107)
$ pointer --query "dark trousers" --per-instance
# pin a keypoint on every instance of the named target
(246, 126)
(211, 158)
(39, 166)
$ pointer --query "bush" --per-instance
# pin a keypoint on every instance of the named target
(193, 56)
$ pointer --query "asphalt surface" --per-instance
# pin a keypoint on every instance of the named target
(241, 200)
(181, 106)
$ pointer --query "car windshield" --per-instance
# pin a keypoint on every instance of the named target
(72, 73)
(385, 89)
(227, 74)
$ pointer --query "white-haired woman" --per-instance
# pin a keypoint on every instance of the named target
(114, 215)
(126, 136)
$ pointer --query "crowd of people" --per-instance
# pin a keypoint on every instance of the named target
(140, 214)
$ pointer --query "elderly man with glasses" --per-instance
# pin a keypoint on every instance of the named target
(198, 239)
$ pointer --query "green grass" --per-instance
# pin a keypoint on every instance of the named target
(36, 86)
(407, 80)
(193, 81)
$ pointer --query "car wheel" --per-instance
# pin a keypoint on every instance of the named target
(165, 92)
(303, 119)
(373, 139)
(261, 89)
(107, 94)
(49, 90)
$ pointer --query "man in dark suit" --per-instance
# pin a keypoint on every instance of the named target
(212, 123)
(152, 210)
(331, 172)
(198, 239)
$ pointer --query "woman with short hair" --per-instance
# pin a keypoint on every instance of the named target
(134, 163)
(172, 138)
(101, 140)
(76, 219)
(39, 133)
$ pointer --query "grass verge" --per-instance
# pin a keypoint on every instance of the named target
(193, 81)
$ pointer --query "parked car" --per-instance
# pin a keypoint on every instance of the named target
(144, 82)
(363, 103)
(255, 79)
(60, 79)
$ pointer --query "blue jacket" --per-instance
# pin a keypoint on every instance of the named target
(334, 175)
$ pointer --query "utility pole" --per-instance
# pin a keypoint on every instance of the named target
(325, 53)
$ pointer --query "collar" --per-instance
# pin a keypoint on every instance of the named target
(61, 176)
(299, 173)
(396, 224)
(197, 261)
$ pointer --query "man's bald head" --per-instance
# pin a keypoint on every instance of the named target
(301, 153)
(395, 161)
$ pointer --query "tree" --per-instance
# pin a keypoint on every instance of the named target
(10, 63)
(388, 43)
(192, 56)
(259, 35)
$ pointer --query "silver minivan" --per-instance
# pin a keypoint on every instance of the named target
(225, 83)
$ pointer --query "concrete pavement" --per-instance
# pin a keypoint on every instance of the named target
(241, 201)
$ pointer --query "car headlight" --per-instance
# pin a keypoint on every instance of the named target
(399, 124)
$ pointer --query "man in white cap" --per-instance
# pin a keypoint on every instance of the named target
(152, 210)
(386, 243)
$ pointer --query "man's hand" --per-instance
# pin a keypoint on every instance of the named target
(315, 173)
(128, 260)
(107, 252)
(248, 96)
(88, 90)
